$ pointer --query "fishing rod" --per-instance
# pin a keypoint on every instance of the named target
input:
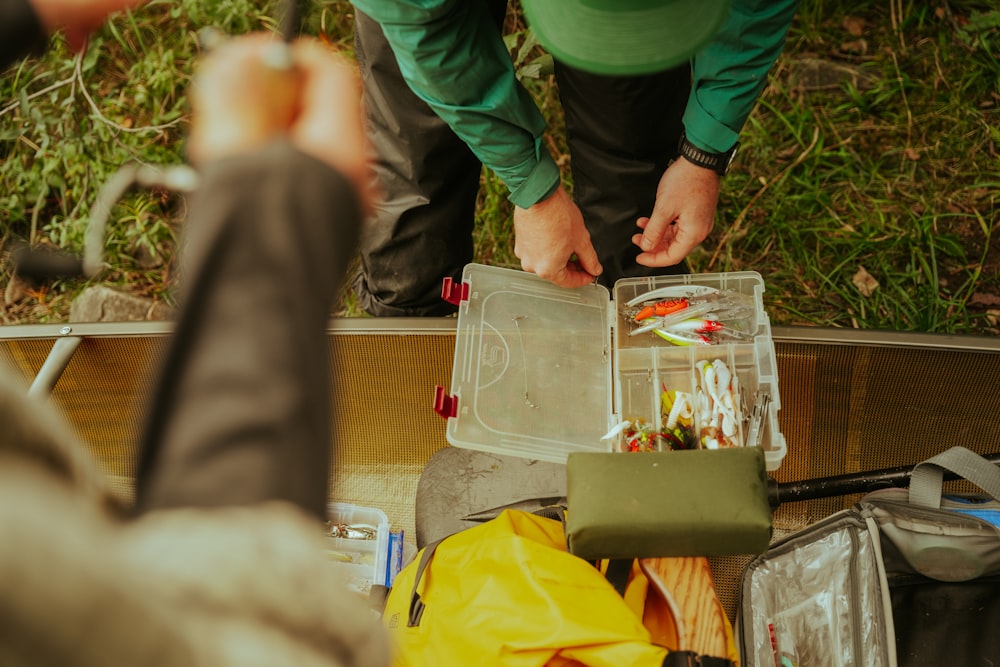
(850, 483)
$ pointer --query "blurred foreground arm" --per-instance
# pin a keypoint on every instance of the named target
(241, 414)
(234, 113)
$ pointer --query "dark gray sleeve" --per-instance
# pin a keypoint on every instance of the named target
(242, 410)
(21, 32)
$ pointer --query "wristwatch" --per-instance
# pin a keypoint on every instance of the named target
(717, 162)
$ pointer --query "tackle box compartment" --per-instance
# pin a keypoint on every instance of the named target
(541, 371)
(362, 560)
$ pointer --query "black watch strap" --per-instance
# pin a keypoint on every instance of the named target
(717, 162)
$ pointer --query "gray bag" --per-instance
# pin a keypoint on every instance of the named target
(905, 577)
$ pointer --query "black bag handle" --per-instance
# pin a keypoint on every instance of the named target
(928, 476)
(617, 573)
(692, 659)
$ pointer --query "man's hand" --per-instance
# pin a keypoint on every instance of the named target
(682, 217)
(240, 102)
(77, 18)
(548, 235)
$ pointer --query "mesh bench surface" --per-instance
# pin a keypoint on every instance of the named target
(851, 401)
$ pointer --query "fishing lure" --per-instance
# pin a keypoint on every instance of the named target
(351, 532)
(683, 337)
(717, 316)
(661, 309)
(716, 404)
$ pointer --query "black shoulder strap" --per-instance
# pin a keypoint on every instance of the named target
(692, 659)
(617, 573)
(416, 604)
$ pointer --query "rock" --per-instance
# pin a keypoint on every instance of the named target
(15, 291)
(104, 304)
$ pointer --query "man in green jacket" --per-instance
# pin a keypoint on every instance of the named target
(641, 81)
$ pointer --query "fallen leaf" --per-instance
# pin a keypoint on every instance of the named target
(864, 281)
(984, 299)
(16, 290)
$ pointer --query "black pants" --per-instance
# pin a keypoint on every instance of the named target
(622, 134)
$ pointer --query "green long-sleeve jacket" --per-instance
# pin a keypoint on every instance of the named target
(452, 57)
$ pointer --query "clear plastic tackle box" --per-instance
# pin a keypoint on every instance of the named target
(541, 371)
(358, 544)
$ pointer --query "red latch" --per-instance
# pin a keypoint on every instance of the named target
(454, 293)
(445, 405)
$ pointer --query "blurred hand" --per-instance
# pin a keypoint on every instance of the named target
(548, 234)
(239, 103)
(682, 217)
(77, 18)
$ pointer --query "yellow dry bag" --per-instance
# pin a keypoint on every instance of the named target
(507, 593)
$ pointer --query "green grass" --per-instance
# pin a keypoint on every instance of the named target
(898, 177)
(870, 201)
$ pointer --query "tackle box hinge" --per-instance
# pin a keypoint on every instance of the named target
(445, 405)
(454, 293)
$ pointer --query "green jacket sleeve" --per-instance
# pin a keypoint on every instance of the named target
(730, 73)
(453, 58)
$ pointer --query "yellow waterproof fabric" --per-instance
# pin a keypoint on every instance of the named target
(507, 593)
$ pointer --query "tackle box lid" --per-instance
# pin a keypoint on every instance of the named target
(532, 372)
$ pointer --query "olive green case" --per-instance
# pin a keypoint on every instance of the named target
(675, 503)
